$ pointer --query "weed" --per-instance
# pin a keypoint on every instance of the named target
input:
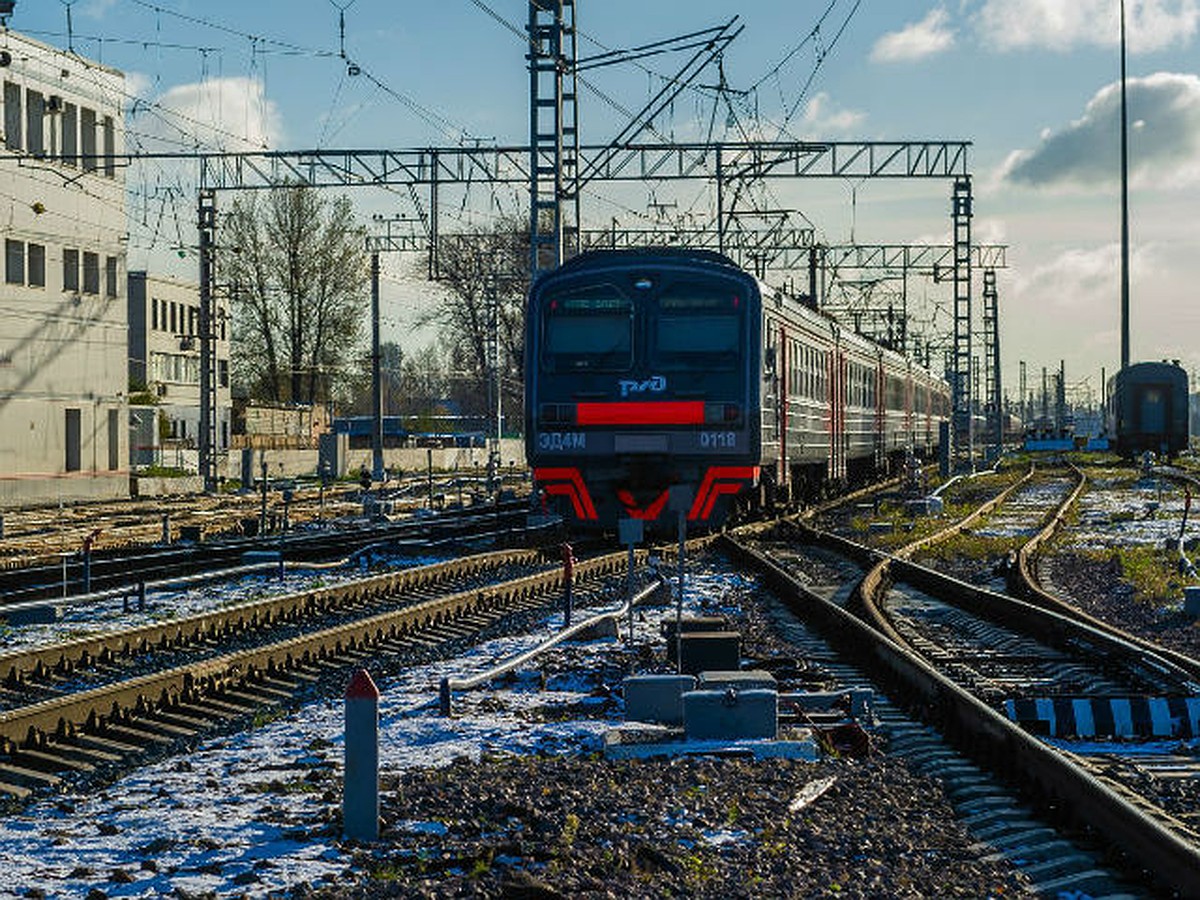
(732, 813)
(570, 830)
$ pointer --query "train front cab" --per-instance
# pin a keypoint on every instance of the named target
(639, 382)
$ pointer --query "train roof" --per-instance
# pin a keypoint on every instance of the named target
(599, 258)
(604, 258)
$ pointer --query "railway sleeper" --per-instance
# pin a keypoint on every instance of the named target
(73, 746)
(267, 689)
(179, 719)
(136, 734)
(51, 760)
(151, 723)
(12, 772)
(250, 700)
(14, 790)
(218, 707)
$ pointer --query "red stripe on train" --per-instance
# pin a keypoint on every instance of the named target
(567, 482)
(719, 480)
(664, 412)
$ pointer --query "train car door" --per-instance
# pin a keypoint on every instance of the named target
(880, 414)
(771, 364)
(1151, 411)
(837, 409)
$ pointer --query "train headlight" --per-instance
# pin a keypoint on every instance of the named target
(722, 414)
(558, 413)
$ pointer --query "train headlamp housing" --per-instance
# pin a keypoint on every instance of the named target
(558, 413)
(722, 414)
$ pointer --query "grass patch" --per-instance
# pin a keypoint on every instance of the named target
(1152, 572)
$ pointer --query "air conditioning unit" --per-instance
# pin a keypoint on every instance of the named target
(54, 103)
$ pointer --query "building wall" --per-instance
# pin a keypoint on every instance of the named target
(63, 336)
(164, 353)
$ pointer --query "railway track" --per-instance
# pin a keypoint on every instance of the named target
(34, 536)
(960, 651)
(814, 584)
(102, 702)
(126, 568)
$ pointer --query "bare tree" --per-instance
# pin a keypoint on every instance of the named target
(483, 271)
(298, 272)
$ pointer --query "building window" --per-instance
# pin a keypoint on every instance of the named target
(14, 261)
(174, 322)
(87, 138)
(35, 118)
(91, 272)
(73, 442)
(70, 270)
(70, 134)
(37, 265)
(110, 276)
(114, 439)
(110, 147)
(223, 372)
(12, 116)
(191, 320)
(154, 313)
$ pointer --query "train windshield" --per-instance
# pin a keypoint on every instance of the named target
(698, 326)
(589, 328)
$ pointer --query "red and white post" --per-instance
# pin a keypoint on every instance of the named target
(360, 793)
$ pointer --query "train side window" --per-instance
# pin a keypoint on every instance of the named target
(588, 328)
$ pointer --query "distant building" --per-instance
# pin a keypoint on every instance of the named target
(164, 359)
(63, 375)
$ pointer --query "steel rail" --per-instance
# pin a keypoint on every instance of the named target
(1173, 861)
(63, 716)
(65, 657)
(114, 568)
(1031, 590)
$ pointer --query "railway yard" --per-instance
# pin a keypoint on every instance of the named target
(988, 687)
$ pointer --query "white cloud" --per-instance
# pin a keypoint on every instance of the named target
(1164, 142)
(820, 116)
(95, 9)
(1065, 24)
(137, 84)
(224, 113)
(917, 41)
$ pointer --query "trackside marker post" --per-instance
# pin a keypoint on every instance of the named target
(360, 794)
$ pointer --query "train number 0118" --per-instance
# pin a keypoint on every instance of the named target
(718, 440)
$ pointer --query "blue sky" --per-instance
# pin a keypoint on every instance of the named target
(1029, 82)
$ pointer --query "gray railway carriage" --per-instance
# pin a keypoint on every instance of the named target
(656, 368)
(1148, 408)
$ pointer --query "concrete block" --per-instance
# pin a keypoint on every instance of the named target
(689, 625)
(705, 651)
(730, 715)
(656, 698)
(747, 680)
(1191, 602)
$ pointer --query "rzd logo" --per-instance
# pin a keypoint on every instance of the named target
(655, 384)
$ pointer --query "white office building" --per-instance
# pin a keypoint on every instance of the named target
(164, 357)
(63, 335)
